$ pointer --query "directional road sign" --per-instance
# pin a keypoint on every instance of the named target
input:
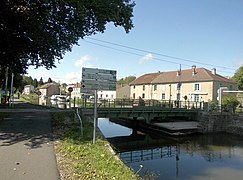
(98, 79)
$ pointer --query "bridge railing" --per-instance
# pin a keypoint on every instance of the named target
(136, 103)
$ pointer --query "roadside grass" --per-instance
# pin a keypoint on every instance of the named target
(79, 158)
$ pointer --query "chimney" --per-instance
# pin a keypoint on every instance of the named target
(178, 73)
(193, 70)
(214, 71)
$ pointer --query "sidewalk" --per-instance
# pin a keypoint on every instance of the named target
(26, 146)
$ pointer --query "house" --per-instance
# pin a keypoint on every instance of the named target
(76, 90)
(49, 89)
(28, 89)
(195, 84)
(123, 91)
(111, 95)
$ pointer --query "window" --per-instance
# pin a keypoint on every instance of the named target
(196, 87)
(163, 96)
(230, 87)
(196, 97)
(143, 87)
(155, 87)
(143, 95)
(179, 86)
(134, 87)
(178, 96)
(163, 87)
(134, 96)
(106, 95)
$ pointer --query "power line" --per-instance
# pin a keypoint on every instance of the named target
(159, 54)
(141, 55)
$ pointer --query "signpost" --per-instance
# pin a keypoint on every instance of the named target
(97, 79)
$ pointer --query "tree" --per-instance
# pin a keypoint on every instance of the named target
(238, 77)
(38, 32)
(35, 83)
(126, 80)
(27, 80)
(41, 82)
(229, 102)
(49, 80)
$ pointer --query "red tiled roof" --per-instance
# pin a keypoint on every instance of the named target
(145, 79)
(201, 75)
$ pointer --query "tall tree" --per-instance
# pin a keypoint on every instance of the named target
(41, 82)
(35, 83)
(38, 32)
(238, 77)
(49, 80)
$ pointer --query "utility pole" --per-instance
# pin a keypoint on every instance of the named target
(6, 85)
(11, 91)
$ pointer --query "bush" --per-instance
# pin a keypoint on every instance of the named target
(229, 102)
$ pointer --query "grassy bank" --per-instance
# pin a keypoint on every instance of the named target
(78, 158)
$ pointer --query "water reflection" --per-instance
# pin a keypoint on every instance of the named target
(196, 157)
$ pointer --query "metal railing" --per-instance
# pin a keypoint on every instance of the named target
(133, 103)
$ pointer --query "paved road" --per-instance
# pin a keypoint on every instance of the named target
(26, 147)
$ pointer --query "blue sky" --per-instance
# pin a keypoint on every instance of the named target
(206, 33)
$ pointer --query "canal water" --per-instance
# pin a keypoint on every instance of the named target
(198, 157)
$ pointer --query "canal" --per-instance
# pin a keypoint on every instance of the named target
(197, 157)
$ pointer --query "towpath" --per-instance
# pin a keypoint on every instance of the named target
(26, 144)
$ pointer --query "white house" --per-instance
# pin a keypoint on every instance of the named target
(106, 95)
(28, 89)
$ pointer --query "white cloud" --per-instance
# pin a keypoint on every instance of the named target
(84, 61)
(146, 58)
(73, 77)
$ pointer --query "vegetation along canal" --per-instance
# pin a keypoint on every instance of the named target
(217, 157)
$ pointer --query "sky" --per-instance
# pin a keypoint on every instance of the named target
(167, 34)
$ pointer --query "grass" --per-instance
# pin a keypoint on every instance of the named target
(78, 158)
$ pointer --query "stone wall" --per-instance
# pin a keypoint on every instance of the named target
(215, 122)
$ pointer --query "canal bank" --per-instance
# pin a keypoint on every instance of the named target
(79, 158)
(215, 122)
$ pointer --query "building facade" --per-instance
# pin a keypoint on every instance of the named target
(28, 89)
(49, 89)
(109, 95)
(76, 90)
(196, 84)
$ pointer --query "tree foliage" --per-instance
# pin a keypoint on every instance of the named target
(238, 77)
(49, 80)
(40, 83)
(126, 80)
(230, 102)
(39, 32)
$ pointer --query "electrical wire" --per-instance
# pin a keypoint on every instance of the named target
(142, 55)
(159, 54)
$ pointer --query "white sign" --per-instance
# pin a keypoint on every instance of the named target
(98, 79)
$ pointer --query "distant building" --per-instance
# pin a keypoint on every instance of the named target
(76, 90)
(123, 91)
(106, 95)
(196, 84)
(28, 89)
(49, 89)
